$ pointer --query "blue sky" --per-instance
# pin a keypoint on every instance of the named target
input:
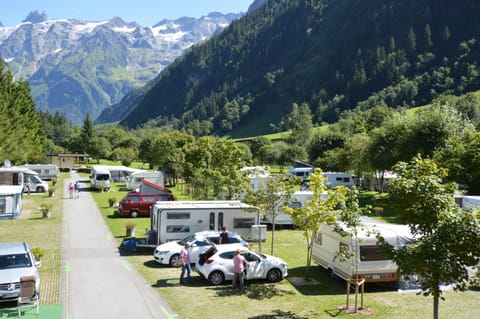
(145, 12)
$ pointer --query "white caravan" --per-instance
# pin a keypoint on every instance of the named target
(134, 180)
(282, 218)
(373, 265)
(335, 179)
(258, 175)
(45, 171)
(100, 176)
(175, 220)
(10, 201)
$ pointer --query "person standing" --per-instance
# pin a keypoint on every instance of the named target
(239, 264)
(77, 189)
(71, 189)
(185, 258)
(223, 236)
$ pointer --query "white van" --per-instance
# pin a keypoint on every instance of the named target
(100, 176)
(373, 265)
(175, 220)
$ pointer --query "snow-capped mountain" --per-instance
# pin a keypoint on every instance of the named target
(75, 66)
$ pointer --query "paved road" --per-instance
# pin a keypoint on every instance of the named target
(96, 281)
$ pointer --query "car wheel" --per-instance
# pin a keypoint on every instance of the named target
(274, 275)
(216, 278)
(175, 260)
(40, 189)
(134, 214)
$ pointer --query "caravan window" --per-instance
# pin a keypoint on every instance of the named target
(220, 220)
(212, 221)
(370, 253)
(178, 229)
(178, 215)
(3, 205)
(243, 222)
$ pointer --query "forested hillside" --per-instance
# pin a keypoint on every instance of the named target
(334, 55)
(20, 130)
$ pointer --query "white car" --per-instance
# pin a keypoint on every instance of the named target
(169, 253)
(216, 264)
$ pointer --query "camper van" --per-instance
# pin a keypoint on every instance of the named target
(45, 171)
(100, 176)
(175, 220)
(35, 184)
(134, 180)
(373, 265)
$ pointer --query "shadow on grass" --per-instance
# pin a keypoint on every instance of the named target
(196, 282)
(256, 289)
(333, 312)
(321, 283)
(279, 314)
(135, 251)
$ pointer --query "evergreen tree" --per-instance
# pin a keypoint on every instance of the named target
(23, 139)
(87, 136)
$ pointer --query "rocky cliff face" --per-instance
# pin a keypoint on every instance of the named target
(77, 67)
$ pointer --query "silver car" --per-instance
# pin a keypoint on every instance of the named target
(16, 261)
(216, 264)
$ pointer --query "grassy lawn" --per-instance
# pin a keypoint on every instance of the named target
(290, 298)
(45, 233)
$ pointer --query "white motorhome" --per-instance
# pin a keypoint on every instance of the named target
(45, 171)
(134, 180)
(100, 176)
(373, 265)
(28, 179)
(177, 219)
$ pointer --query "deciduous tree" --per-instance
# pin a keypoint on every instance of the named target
(445, 237)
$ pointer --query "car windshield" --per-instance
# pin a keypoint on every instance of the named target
(15, 261)
(188, 239)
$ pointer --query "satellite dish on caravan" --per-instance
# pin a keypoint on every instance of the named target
(7, 163)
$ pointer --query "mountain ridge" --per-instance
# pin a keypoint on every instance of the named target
(334, 55)
(76, 67)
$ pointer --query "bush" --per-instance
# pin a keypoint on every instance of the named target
(112, 201)
(38, 252)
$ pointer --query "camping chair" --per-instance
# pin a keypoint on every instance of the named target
(28, 295)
